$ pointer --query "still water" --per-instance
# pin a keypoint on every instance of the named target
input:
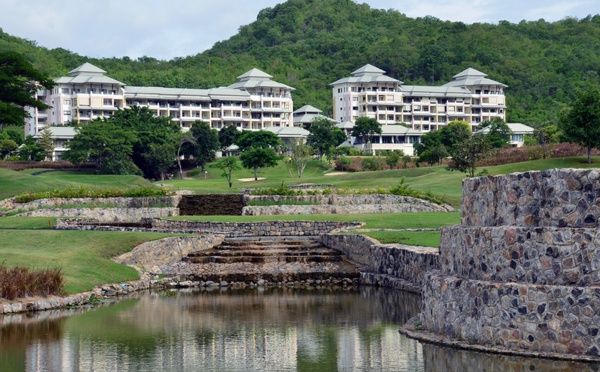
(276, 329)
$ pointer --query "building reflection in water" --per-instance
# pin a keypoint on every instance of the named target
(230, 330)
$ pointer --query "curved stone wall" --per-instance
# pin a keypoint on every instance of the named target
(522, 271)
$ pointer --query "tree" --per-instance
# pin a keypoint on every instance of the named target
(256, 158)
(30, 150)
(393, 157)
(153, 135)
(19, 81)
(260, 139)
(365, 128)
(107, 145)
(468, 153)
(184, 138)
(454, 134)
(299, 158)
(228, 136)
(46, 142)
(206, 143)
(7, 147)
(497, 132)
(227, 165)
(161, 156)
(581, 124)
(14, 133)
(324, 136)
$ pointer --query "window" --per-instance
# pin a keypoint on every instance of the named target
(65, 90)
(67, 112)
(67, 102)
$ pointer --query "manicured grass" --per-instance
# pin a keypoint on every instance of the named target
(15, 183)
(27, 223)
(422, 238)
(436, 179)
(371, 220)
(82, 256)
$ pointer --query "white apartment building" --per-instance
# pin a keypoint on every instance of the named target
(471, 97)
(254, 102)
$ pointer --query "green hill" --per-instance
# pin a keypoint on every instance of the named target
(310, 43)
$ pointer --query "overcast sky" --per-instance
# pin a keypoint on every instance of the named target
(165, 29)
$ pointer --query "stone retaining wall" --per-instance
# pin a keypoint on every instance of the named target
(167, 251)
(229, 229)
(119, 202)
(102, 215)
(211, 205)
(390, 265)
(522, 272)
(552, 198)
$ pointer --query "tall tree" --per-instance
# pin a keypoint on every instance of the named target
(468, 153)
(365, 128)
(183, 139)
(206, 143)
(581, 124)
(47, 142)
(324, 136)
(106, 144)
(256, 158)
(19, 81)
(228, 136)
(260, 139)
(497, 132)
(227, 165)
(152, 134)
(299, 156)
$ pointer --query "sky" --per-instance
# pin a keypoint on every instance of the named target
(166, 29)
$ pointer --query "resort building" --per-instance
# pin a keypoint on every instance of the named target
(305, 115)
(368, 92)
(254, 102)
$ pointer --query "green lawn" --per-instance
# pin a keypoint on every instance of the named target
(15, 183)
(422, 238)
(82, 256)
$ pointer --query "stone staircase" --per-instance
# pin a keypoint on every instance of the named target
(274, 259)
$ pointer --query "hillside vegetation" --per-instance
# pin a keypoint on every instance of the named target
(310, 43)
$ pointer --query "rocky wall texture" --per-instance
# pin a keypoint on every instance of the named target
(167, 251)
(522, 271)
(337, 204)
(552, 198)
(153, 202)
(229, 229)
(102, 215)
(384, 264)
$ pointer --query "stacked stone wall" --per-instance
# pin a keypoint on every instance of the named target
(117, 202)
(229, 229)
(105, 215)
(341, 204)
(389, 265)
(522, 272)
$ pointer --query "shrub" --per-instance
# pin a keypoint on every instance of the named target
(371, 163)
(19, 282)
(84, 192)
(280, 190)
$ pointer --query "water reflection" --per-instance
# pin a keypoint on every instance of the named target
(276, 329)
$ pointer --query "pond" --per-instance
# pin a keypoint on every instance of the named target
(276, 329)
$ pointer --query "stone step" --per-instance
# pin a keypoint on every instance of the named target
(263, 259)
(266, 252)
(228, 247)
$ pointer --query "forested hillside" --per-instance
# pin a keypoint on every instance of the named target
(310, 43)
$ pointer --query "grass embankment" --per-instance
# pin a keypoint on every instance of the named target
(83, 257)
(436, 179)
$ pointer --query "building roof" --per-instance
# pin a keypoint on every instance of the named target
(222, 94)
(288, 132)
(87, 73)
(60, 132)
(87, 68)
(367, 74)
(309, 118)
(430, 91)
(386, 130)
(256, 78)
(515, 128)
(471, 77)
(308, 109)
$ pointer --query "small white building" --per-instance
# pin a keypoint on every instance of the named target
(517, 135)
(61, 137)
(392, 137)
